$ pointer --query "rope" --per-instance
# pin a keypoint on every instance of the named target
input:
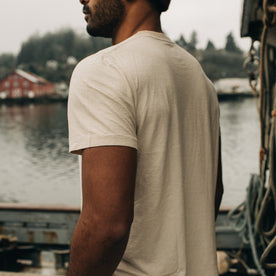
(243, 220)
(265, 222)
(266, 253)
(271, 9)
(251, 231)
(262, 97)
(255, 218)
(269, 19)
(264, 225)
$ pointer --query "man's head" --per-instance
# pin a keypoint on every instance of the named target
(105, 16)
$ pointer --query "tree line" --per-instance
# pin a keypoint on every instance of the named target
(217, 63)
(54, 55)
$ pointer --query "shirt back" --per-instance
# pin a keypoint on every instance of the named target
(168, 111)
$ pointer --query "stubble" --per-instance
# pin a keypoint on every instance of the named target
(105, 17)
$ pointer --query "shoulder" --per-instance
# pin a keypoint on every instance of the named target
(96, 70)
(92, 65)
(100, 78)
(114, 61)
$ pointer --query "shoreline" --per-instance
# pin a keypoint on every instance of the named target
(54, 99)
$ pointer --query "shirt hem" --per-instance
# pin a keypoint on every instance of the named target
(82, 143)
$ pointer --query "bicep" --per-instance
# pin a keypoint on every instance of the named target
(108, 180)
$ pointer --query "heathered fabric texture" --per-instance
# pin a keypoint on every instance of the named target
(150, 94)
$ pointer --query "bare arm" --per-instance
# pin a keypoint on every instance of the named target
(101, 234)
(219, 187)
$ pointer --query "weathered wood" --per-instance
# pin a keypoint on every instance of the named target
(41, 208)
(54, 225)
(39, 224)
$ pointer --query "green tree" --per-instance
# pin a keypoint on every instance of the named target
(191, 46)
(37, 51)
(221, 64)
(181, 41)
(210, 46)
(230, 45)
(7, 64)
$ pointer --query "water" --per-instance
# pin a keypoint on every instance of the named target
(240, 147)
(35, 166)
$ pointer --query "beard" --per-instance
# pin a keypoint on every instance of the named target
(105, 17)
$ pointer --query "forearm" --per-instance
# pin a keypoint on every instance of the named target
(94, 252)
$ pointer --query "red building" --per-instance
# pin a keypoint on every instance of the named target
(22, 84)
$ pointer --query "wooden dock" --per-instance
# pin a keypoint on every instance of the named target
(37, 238)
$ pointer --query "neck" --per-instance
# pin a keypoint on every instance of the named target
(139, 16)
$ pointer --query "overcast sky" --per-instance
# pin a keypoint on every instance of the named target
(212, 19)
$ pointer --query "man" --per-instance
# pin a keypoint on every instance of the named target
(145, 120)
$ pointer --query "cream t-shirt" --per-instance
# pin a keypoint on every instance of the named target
(150, 94)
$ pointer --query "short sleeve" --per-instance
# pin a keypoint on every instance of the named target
(101, 106)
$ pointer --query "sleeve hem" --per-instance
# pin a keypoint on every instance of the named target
(81, 143)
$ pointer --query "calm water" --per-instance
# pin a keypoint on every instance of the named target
(35, 166)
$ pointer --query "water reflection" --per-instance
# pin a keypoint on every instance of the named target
(35, 166)
(240, 146)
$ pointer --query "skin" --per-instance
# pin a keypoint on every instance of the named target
(101, 234)
(108, 173)
(104, 17)
(120, 19)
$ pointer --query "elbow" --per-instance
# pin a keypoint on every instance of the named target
(113, 232)
(108, 230)
(115, 228)
(118, 231)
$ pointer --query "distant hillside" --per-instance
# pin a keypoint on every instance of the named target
(54, 55)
